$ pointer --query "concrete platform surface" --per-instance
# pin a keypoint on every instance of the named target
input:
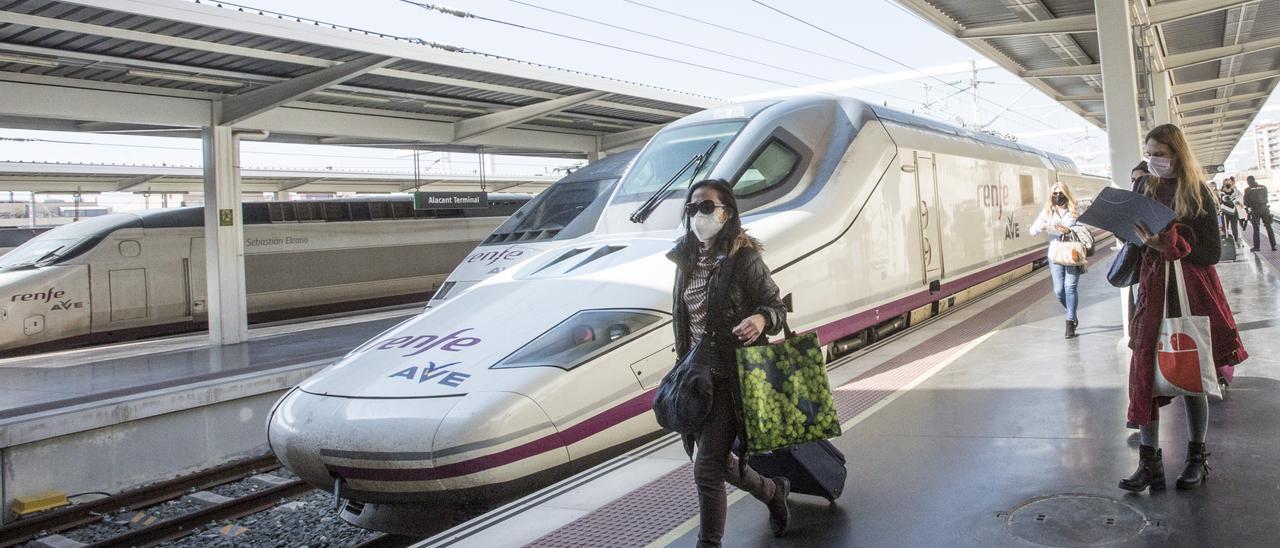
(984, 428)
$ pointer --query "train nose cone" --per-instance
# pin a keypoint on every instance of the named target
(414, 449)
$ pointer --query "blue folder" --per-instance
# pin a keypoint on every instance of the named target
(1116, 211)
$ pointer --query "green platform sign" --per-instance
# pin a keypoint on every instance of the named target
(450, 200)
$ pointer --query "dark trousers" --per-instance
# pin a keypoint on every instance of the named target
(715, 464)
(1264, 219)
(1232, 222)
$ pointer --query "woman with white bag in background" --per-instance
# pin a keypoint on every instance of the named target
(1203, 336)
(1066, 252)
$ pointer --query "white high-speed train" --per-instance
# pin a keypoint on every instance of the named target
(127, 275)
(867, 214)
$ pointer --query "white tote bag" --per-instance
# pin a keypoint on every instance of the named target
(1184, 351)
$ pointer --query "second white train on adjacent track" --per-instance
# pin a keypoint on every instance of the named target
(549, 366)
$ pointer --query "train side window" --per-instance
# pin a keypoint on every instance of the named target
(277, 212)
(290, 211)
(770, 167)
(379, 210)
(360, 211)
(402, 210)
(336, 211)
(1027, 186)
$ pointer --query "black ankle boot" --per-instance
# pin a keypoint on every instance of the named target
(779, 514)
(1071, 328)
(1197, 467)
(1150, 472)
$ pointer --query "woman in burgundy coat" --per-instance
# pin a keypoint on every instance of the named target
(1177, 180)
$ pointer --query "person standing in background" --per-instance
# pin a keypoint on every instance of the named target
(1228, 203)
(1255, 200)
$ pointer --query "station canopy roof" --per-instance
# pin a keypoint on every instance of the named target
(1224, 55)
(91, 178)
(170, 67)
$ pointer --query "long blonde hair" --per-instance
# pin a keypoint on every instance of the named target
(1066, 191)
(1189, 199)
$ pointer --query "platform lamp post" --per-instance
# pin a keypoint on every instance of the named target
(1119, 94)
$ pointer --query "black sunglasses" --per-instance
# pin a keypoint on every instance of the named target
(705, 206)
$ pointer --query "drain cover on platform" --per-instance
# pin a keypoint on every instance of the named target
(1075, 520)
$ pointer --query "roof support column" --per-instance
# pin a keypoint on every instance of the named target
(224, 238)
(1119, 95)
(1161, 99)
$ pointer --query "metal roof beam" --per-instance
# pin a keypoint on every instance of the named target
(1213, 54)
(1055, 72)
(473, 127)
(616, 141)
(301, 182)
(1079, 98)
(415, 184)
(1210, 103)
(1060, 25)
(238, 108)
(1206, 85)
(1198, 130)
(1165, 12)
(135, 182)
(1195, 120)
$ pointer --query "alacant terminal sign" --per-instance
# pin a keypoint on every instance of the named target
(450, 200)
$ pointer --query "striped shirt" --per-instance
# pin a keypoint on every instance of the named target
(695, 295)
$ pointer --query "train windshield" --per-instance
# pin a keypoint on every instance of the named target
(64, 242)
(562, 204)
(669, 152)
(663, 158)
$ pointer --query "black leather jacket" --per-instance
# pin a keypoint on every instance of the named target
(741, 286)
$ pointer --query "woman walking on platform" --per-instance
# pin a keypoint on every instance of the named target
(1058, 217)
(723, 296)
(1177, 180)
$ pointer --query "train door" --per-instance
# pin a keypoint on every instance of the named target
(196, 285)
(930, 218)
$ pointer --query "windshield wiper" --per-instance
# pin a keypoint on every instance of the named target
(53, 252)
(642, 213)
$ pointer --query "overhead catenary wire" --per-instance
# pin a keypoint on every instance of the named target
(755, 36)
(881, 55)
(670, 40)
(469, 15)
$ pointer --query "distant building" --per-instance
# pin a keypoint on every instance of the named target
(1266, 138)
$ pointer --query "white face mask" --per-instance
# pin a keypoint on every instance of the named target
(706, 226)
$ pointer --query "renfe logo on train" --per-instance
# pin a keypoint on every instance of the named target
(495, 256)
(422, 343)
(41, 296)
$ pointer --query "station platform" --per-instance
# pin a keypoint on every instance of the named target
(113, 417)
(44, 382)
(984, 427)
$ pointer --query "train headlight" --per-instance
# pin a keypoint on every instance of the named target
(575, 341)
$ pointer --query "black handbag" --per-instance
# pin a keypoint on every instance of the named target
(683, 398)
(1125, 268)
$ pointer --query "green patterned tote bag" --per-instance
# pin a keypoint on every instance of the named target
(786, 397)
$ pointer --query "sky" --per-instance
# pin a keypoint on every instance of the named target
(682, 55)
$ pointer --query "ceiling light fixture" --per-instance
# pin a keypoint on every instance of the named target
(185, 78)
(352, 97)
(25, 60)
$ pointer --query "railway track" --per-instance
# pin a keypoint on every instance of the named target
(166, 529)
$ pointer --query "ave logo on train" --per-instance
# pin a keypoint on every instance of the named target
(996, 197)
(415, 345)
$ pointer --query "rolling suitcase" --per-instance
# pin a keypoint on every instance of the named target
(1228, 249)
(815, 468)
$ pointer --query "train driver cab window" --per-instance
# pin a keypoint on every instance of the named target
(770, 168)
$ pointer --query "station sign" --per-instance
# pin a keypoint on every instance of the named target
(450, 200)
(1215, 168)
